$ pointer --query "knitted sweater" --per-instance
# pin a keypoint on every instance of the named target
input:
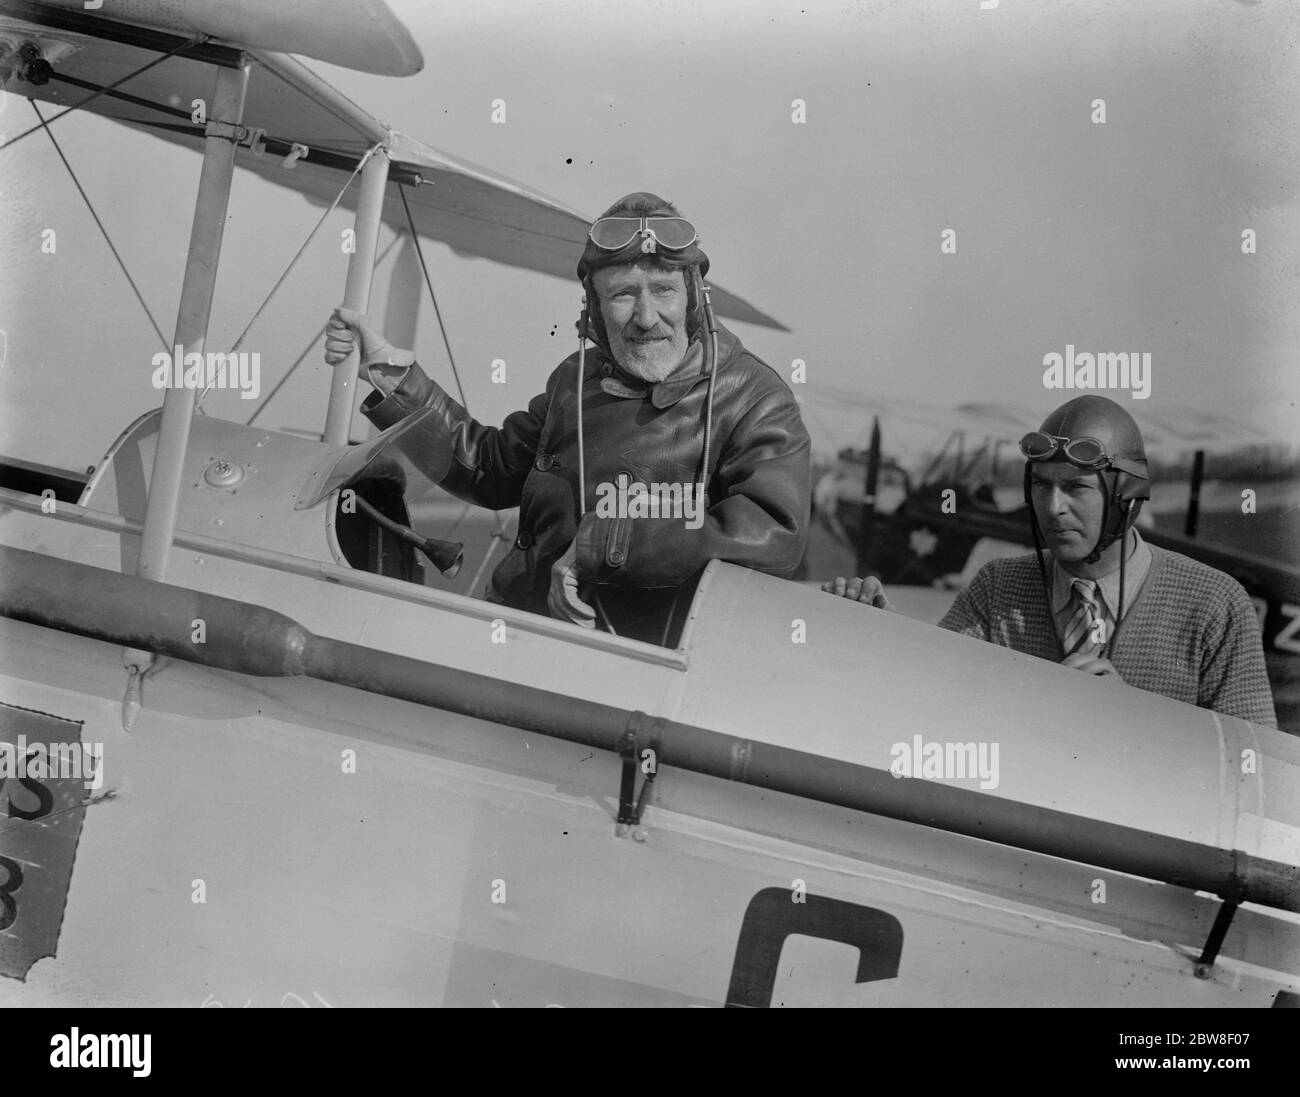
(1192, 633)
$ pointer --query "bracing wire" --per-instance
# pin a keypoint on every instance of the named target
(499, 533)
(294, 261)
(424, 267)
(302, 357)
(107, 239)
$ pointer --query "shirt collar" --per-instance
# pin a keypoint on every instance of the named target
(1135, 571)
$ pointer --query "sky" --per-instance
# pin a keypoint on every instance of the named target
(920, 118)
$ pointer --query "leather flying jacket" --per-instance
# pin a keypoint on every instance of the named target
(759, 485)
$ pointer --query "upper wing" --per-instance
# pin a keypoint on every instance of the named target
(357, 34)
(476, 211)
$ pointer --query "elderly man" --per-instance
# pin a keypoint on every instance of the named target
(664, 446)
(1100, 599)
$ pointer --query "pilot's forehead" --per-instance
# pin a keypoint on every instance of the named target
(636, 275)
(1062, 472)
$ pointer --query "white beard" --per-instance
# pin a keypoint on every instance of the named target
(651, 363)
(652, 371)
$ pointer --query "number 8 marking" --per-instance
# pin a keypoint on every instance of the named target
(13, 881)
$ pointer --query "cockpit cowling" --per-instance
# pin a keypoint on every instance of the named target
(267, 490)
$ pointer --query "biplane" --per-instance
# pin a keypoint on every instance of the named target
(252, 759)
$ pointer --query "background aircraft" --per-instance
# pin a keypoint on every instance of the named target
(938, 515)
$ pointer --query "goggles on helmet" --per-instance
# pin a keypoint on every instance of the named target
(615, 233)
(1085, 453)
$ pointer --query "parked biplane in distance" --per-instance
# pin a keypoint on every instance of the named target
(319, 780)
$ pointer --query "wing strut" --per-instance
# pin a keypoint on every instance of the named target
(191, 334)
(356, 293)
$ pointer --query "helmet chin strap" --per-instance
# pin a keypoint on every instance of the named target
(1104, 539)
(582, 373)
(1123, 560)
(711, 349)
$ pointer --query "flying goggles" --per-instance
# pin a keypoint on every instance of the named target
(1088, 454)
(671, 233)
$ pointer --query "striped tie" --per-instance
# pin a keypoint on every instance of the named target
(1080, 633)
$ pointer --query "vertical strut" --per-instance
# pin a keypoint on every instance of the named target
(191, 334)
(192, 317)
(356, 293)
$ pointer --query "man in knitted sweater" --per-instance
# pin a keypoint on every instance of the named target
(1100, 599)
(1178, 627)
